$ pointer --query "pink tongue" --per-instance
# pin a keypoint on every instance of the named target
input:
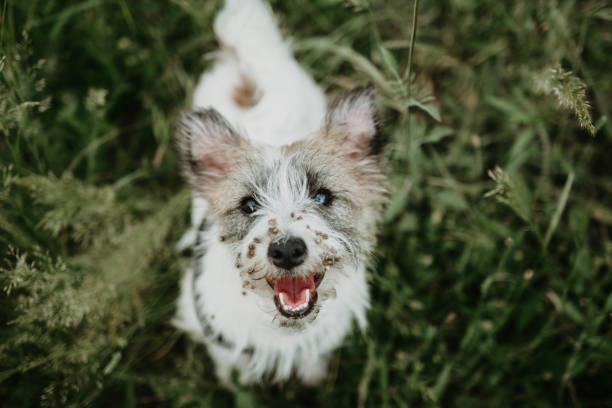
(294, 289)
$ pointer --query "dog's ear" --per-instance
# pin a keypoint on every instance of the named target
(207, 145)
(353, 119)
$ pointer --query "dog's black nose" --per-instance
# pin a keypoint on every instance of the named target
(288, 254)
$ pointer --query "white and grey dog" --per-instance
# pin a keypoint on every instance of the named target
(286, 201)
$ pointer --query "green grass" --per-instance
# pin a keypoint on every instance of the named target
(491, 286)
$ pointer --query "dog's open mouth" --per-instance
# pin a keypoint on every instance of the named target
(295, 296)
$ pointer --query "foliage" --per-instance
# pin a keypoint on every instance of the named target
(570, 92)
(490, 286)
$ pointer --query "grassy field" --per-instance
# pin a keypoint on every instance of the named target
(491, 286)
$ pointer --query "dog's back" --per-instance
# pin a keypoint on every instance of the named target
(256, 84)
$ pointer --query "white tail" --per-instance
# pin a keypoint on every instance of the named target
(248, 28)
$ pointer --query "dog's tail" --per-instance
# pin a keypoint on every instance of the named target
(248, 29)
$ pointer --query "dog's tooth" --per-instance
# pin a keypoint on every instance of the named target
(295, 309)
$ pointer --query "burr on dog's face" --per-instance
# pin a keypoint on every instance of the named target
(298, 219)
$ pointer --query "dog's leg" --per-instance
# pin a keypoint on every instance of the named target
(312, 372)
(224, 364)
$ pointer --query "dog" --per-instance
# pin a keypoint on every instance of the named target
(286, 199)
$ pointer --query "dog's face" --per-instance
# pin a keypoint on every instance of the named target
(298, 219)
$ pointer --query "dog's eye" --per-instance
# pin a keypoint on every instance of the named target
(248, 205)
(323, 197)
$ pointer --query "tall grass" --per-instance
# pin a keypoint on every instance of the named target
(491, 284)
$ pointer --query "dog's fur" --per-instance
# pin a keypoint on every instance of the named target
(259, 132)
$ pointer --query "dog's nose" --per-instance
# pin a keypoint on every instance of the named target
(288, 254)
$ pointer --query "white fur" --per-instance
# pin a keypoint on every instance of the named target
(291, 108)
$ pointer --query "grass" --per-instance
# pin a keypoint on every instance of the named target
(491, 285)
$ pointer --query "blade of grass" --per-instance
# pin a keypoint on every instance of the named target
(366, 377)
(412, 40)
(554, 221)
